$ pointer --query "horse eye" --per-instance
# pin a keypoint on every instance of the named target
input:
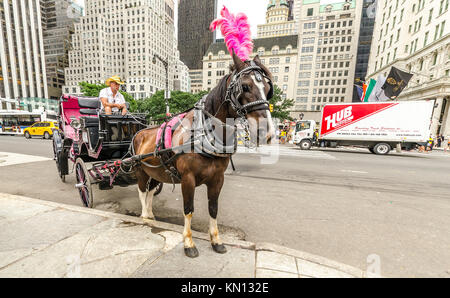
(245, 88)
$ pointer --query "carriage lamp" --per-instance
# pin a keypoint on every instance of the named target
(75, 124)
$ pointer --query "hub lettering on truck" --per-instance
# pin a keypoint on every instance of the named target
(336, 117)
(339, 118)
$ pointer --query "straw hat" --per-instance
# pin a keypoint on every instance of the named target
(114, 79)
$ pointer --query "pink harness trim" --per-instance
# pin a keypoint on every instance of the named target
(168, 131)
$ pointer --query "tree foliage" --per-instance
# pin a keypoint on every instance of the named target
(155, 106)
(281, 107)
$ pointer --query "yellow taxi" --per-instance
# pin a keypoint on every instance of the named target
(42, 129)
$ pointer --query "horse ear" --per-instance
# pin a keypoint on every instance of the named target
(238, 62)
(257, 60)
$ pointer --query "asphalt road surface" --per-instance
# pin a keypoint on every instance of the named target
(344, 204)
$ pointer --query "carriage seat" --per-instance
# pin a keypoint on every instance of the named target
(89, 102)
(90, 105)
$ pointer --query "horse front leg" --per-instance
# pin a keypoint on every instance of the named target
(213, 205)
(188, 190)
(146, 189)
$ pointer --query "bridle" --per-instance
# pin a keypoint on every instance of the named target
(235, 90)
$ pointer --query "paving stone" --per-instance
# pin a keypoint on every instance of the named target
(20, 238)
(236, 263)
(316, 270)
(109, 249)
(266, 273)
(11, 209)
(276, 261)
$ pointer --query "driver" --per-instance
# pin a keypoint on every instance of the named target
(111, 99)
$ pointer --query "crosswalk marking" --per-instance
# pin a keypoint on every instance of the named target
(8, 159)
(285, 151)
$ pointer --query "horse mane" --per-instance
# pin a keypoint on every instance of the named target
(217, 95)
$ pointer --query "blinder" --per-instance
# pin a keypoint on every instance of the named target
(235, 90)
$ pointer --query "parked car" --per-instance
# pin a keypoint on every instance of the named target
(41, 129)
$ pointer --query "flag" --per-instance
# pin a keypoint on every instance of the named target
(364, 92)
(357, 93)
(377, 93)
(369, 90)
(395, 83)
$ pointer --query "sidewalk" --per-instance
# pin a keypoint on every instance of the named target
(46, 239)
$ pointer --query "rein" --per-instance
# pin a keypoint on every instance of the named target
(204, 139)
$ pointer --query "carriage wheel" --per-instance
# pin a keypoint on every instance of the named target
(84, 183)
(60, 156)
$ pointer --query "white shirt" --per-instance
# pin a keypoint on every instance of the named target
(107, 93)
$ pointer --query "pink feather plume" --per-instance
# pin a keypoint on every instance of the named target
(236, 31)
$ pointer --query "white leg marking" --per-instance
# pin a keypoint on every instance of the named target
(187, 233)
(214, 231)
(146, 203)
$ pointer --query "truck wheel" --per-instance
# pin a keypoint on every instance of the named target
(305, 144)
(382, 149)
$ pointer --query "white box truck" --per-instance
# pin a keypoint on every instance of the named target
(379, 126)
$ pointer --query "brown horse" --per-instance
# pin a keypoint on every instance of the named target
(253, 80)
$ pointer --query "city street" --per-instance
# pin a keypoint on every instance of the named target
(343, 204)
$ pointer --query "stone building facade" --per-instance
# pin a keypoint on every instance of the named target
(22, 62)
(279, 21)
(278, 54)
(414, 36)
(121, 38)
(328, 47)
(58, 18)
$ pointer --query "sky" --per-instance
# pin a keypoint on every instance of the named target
(254, 9)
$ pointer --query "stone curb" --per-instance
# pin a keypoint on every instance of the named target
(311, 258)
(202, 236)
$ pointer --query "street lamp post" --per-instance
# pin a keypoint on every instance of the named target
(167, 92)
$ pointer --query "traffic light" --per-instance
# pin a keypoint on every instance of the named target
(271, 108)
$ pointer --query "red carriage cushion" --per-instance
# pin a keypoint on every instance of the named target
(168, 131)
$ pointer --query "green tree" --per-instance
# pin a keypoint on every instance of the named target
(281, 107)
(155, 106)
(93, 90)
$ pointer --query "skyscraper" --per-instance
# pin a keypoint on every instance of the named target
(58, 18)
(194, 36)
(121, 38)
(328, 36)
(365, 41)
(22, 63)
(291, 9)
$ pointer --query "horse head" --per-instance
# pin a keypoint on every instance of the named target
(252, 90)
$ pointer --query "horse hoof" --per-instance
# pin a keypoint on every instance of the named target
(148, 219)
(219, 248)
(191, 252)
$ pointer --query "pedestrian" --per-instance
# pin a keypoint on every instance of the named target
(283, 136)
(430, 144)
(438, 141)
(448, 144)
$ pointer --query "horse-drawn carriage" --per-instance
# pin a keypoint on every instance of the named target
(95, 143)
